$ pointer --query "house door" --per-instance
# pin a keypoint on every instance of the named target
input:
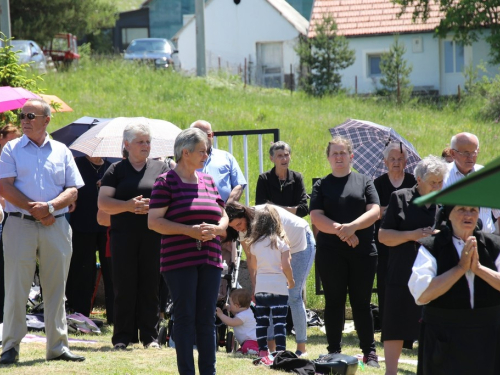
(454, 57)
(270, 64)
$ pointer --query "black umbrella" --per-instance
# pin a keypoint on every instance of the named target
(369, 140)
(69, 133)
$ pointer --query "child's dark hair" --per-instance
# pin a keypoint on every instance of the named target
(236, 210)
(267, 223)
(242, 297)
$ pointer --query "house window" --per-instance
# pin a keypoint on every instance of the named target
(129, 34)
(454, 58)
(374, 65)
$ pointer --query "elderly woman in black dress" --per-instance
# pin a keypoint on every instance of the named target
(282, 186)
(344, 207)
(456, 277)
(403, 224)
(395, 157)
(135, 249)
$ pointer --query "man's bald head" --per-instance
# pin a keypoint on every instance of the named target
(205, 127)
(464, 149)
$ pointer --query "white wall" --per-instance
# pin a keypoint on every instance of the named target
(232, 31)
(426, 64)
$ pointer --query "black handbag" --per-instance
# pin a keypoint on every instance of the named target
(336, 364)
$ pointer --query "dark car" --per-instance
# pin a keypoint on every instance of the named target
(157, 51)
(29, 52)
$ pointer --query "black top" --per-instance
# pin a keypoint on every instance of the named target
(84, 218)
(130, 183)
(291, 194)
(443, 250)
(403, 215)
(385, 187)
(344, 199)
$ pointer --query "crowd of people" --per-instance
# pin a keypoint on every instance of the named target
(167, 227)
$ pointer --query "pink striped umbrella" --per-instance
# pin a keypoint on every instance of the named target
(14, 97)
(106, 138)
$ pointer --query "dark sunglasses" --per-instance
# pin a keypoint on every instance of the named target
(30, 116)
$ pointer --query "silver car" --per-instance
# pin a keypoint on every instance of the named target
(30, 53)
(157, 51)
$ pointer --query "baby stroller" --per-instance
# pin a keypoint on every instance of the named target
(229, 282)
(225, 338)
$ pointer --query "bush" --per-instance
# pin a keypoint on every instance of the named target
(491, 109)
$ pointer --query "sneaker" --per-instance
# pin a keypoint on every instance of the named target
(263, 353)
(153, 345)
(371, 360)
(300, 354)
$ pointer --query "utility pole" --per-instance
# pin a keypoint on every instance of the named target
(5, 18)
(201, 69)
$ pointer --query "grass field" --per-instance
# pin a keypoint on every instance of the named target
(111, 88)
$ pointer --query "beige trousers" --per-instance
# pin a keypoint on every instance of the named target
(23, 240)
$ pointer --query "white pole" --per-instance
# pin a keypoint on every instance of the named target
(5, 18)
(201, 69)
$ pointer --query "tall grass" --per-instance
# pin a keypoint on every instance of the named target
(112, 88)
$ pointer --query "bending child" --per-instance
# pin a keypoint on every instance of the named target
(243, 323)
(268, 245)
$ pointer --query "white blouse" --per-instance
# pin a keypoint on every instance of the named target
(425, 269)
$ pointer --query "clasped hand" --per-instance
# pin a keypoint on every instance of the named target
(204, 232)
(141, 205)
(346, 233)
(469, 259)
(40, 211)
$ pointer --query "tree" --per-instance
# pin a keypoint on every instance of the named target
(39, 20)
(322, 57)
(396, 71)
(465, 20)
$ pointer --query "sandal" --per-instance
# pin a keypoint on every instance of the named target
(120, 346)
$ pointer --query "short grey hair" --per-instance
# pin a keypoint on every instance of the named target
(280, 145)
(394, 146)
(430, 165)
(187, 140)
(42, 103)
(134, 128)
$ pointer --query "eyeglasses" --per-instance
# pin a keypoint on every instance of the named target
(30, 116)
(342, 154)
(467, 154)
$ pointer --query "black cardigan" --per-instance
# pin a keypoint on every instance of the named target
(292, 194)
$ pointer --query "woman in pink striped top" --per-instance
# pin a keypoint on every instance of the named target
(188, 211)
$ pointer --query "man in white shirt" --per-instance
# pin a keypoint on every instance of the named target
(464, 150)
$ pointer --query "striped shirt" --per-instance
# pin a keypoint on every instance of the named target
(485, 213)
(189, 204)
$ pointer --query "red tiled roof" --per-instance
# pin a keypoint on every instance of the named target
(369, 17)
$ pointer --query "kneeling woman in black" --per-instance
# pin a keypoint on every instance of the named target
(456, 277)
(344, 207)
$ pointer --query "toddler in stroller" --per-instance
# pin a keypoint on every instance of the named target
(243, 322)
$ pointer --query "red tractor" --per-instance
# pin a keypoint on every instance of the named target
(63, 50)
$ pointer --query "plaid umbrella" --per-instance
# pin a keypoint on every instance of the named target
(478, 189)
(369, 140)
(106, 138)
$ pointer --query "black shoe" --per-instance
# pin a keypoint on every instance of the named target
(68, 356)
(9, 357)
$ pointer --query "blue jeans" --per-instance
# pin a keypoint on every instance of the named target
(194, 292)
(301, 266)
(268, 304)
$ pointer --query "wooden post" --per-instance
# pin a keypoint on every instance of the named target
(219, 62)
(356, 85)
(291, 80)
(459, 93)
(399, 92)
(245, 73)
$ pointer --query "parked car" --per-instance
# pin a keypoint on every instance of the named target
(157, 51)
(30, 53)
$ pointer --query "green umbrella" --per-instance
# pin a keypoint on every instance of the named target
(479, 189)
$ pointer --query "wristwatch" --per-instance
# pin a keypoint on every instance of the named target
(51, 207)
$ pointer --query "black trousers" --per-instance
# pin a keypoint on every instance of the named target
(340, 271)
(82, 272)
(135, 257)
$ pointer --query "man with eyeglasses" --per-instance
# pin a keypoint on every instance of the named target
(464, 150)
(39, 180)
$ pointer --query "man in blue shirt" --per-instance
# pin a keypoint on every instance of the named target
(227, 175)
(39, 180)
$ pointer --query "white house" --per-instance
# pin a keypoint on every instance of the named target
(370, 25)
(264, 32)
